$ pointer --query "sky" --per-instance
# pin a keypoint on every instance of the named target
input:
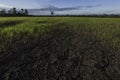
(41, 7)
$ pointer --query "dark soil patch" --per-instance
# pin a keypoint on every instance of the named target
(10, 23)
(42, 22)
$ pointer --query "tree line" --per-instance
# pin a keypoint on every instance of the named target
(14, 12)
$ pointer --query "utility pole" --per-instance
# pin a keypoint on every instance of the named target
(52, 13)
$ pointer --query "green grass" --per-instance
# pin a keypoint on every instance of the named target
(55, 48)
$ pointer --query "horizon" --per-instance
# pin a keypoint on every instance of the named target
(61, 7)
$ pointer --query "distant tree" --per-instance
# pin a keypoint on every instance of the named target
(3, 12)
(14, 11)
(26, 12)
(9, 11)
(67, 14)
(22, 11)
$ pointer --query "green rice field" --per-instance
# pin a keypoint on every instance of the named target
(59, 48)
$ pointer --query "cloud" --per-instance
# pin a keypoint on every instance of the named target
(114, 11)
(5, 6)
(91, 6)
(53, 8)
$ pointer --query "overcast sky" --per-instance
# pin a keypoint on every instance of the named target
(95, 6)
